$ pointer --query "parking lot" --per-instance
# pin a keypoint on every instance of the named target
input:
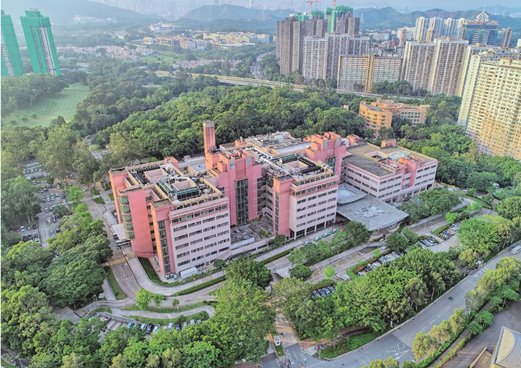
(381, 261)
(53, 199)
(53, 206)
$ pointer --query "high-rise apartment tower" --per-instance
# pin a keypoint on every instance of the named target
(11, 59)
(40, 43)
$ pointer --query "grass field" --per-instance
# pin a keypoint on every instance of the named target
(63, 104)
(118, 292)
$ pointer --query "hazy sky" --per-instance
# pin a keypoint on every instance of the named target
(429, 4)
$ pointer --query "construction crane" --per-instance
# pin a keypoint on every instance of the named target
(310, 2)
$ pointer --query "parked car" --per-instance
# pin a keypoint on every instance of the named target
(170, 325)
(156, 328)
(277, 340)
(143, 327)
(516, 249)
(131, 325)
(150, 328)
(178, 326)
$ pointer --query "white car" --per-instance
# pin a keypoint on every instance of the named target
(516, 249)
(277, 340)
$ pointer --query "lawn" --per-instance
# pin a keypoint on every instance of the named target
(202, 316)
(113, 283)
(63, 104)
(151, 273)
(7, 365)
(352, 343)
(98, 200)
(182, 308)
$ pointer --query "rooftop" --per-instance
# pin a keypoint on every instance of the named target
(278, 143)
(168, 182)
(381, 161)
(374, 213)
(507, 353)
(349, 194)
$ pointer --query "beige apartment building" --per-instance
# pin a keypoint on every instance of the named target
(478, 55)
(494, 117)
(447, 65)
(417, 63)
(360, 73)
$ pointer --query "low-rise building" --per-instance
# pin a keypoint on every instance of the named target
(175, 213)
(389, 172)
(183, 212)
(379, 114)
(375, 117)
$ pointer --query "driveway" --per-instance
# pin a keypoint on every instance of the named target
(397, 342)
(510, 318)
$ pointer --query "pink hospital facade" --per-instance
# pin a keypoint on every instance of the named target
(183, 213)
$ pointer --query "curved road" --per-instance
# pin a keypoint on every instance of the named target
(397, 342)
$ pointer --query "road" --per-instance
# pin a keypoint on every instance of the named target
(510, 318)
(238, 81)
(397, 342)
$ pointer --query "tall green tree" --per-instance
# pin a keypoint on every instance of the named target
(57, 152)
(246, 268)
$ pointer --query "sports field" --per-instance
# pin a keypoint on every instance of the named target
(63, 104)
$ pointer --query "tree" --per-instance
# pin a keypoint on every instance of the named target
(57, 152)
(457, 320)
(19, 201)
(84, 163)
(416, 291)
(423, 345)
(115, 343)
(200, 354)
(289, 293)
(72, 360)
(23, 312)
(241, 322)
(486, 234)
(73, 278)
(329, 272)
(26, 263)
(484, 318)
(246, 268)
(175, 303)
(219, 263)
(74, 194)
(481, 180)
(397, 242)
(135, 353)
(509, 208)
(124, 149)
(300, 272)
(468, 257)
(143, 298)
(475, 328)
(451, 217)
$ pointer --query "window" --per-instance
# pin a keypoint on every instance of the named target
(242, 201)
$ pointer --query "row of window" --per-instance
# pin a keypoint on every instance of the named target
(314, 189)
(199, 214)
(203, 256)
(331, 215)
